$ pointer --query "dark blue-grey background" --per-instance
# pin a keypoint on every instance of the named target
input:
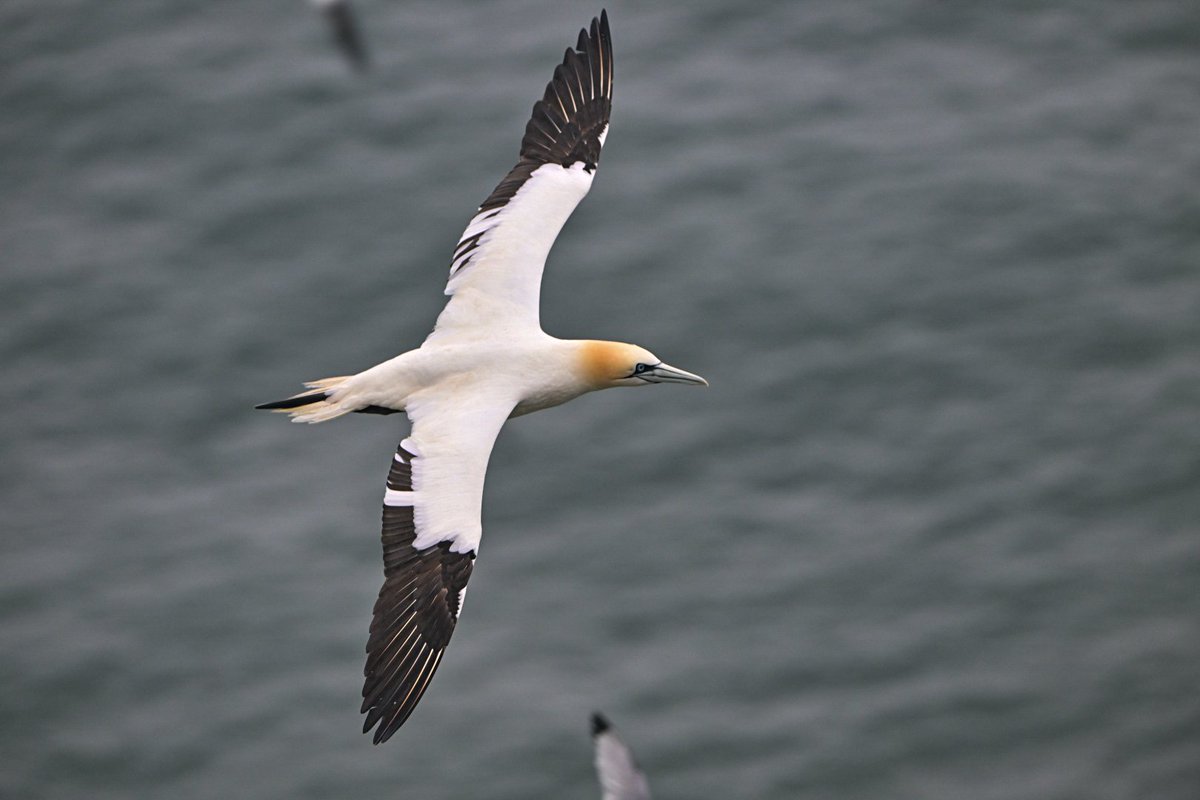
(934, 532)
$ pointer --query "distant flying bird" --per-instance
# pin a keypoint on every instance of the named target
(345, 30)
(620, 777)
(486, 360)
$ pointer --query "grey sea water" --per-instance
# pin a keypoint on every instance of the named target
(934, 531)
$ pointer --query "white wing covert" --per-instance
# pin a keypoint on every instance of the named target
(496, 269)
(431, 533)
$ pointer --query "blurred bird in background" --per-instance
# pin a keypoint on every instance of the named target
(345, 31)
(620, 776)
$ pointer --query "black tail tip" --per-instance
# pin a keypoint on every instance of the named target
(599, 724)
(293, 402)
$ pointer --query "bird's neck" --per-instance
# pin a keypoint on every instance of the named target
(598, 363)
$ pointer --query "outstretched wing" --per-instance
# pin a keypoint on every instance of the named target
(431, 534)
(496, 270)
(620, 776)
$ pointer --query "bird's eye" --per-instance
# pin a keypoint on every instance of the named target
(639, 369)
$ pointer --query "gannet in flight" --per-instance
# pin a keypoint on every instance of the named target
(620, 777)
(345, 31)
(486, 360)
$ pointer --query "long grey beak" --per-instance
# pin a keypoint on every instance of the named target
(665, 373)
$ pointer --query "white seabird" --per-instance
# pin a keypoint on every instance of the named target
(486, 360)
(619, 774)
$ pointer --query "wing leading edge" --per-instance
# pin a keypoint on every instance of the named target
(496, 269)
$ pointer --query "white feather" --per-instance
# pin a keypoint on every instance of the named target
(500, 287)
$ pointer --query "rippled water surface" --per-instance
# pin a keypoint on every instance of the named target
(934, 531)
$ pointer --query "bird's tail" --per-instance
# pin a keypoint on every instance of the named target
(317, 404)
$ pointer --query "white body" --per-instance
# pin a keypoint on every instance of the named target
(529, 372)
(458, 391)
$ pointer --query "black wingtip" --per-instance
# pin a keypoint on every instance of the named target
(599, 724)
(564, 127)
(598, 29)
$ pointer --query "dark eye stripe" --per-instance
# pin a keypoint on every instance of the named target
(639, 368)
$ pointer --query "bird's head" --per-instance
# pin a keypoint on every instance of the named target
(608, 364)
